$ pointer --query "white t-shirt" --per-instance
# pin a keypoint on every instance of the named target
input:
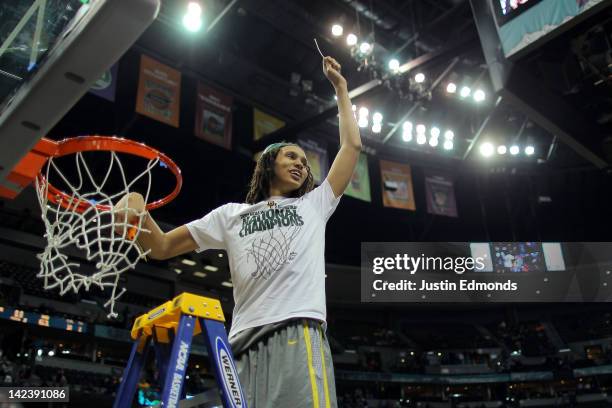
(276, 251)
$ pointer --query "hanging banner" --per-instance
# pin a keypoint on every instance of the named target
(264, 124)
(317, 159)
(106, 86)
(159, 91)
(396, 182)
(359, 187)
(214, 116)
(440, 194)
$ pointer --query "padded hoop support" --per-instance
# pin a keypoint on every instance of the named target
(28, 168)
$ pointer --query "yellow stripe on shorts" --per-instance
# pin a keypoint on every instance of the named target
(311, 370)
(325, 387)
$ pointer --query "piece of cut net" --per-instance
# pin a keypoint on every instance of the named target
(94, 233)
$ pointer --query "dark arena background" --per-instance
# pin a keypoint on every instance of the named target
(486, 121)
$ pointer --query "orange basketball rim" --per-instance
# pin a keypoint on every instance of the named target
(30, 167)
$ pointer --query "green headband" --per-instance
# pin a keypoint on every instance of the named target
(275, 145)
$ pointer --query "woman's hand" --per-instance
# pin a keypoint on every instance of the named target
(127, 211)
(331, 70)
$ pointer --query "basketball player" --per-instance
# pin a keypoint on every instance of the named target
(275, 244)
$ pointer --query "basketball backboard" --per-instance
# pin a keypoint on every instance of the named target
(51, 52)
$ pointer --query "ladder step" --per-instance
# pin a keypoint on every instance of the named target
(207, 399)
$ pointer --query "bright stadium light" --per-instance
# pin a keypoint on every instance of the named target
(192, 20)
(421, 138)
(194, 8)
(451, 88)
(449, 135)
(365, 47)
(337, 30)
(351, 39)
(419, 78)
(479, 95)
(435, 132)
(363, 111)
(394, 65)
(465, 92)
(433, 141)
(192, 23)
(377, 117)
(448, 144)
(362, 122)
(486, 149)
(501, 149)
(407, 135)
(529, 150)
(376, 127)
(407, 125)
(514, 150)
(420, 129)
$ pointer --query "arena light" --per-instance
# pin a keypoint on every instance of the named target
(435, 132)
(449, 135)
(486, 149)
(433, 141)
(376, 127)
(421, 138)
(529, 150)
(363, 112)
(365, 47)
(451, 88)
(448, 144)
(419, 78)
(465, 92)
(407, 131)
(351, 39)
(420, 129)
(514, 150)
(394, 65)
(362, 122)
(377, 117)
(337, 30)
(211, 268)
(479, 95)
(501, 149)
(192, 20)
(193, 7)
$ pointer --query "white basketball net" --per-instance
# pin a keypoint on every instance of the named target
(93, 233)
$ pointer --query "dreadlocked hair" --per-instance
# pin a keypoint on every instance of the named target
(259, 187)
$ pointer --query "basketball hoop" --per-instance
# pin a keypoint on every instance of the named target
(83, 214)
